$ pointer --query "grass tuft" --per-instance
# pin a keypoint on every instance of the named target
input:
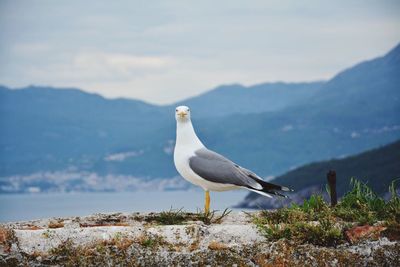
(364, 206)
(211, 216)
(316, 222)
(176, 217)
(170, 217)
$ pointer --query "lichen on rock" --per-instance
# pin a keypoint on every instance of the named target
(136, 239)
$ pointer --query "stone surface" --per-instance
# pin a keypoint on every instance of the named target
(136, 239)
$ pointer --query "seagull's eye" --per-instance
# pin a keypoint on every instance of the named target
(188, 109)
(176, 110)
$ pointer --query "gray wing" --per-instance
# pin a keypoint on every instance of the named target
(215, 168)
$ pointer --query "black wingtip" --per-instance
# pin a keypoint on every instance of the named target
(278, 194)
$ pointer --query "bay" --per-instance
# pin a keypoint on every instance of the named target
(20, 207)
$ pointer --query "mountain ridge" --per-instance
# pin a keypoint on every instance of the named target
(358, 114)
(239, 99)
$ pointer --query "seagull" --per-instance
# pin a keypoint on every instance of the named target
(210, 170)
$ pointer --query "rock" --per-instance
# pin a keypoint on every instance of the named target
(359, 233)
(139, 239)
(6, 239)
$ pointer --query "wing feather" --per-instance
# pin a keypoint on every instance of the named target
(216, 168)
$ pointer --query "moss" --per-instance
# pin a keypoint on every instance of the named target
(114, 219)
(65, 248)
(107, 252)
(151, 241)
(221, 257)
(48, 234)
(305, 232)
(116, 252)
(191, 230)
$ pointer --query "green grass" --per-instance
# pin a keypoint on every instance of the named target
(178, 216)
(364, 206)
(316, 222)
(211, 216)
(170, 217)
(151, 241)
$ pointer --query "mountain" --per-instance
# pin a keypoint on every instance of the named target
(48, 129)
(238, 99)
(377, 167)
(371, 88)
(44, 129)
(356, 110)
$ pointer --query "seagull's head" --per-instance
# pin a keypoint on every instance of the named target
(182, 113)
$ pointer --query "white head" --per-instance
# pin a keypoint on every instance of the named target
(182, 114)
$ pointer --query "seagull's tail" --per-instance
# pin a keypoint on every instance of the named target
(269, 189)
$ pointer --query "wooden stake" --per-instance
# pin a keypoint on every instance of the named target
(331, 177)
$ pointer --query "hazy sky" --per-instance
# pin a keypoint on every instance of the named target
(163, 51)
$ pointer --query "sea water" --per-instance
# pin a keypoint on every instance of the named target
(17, 207)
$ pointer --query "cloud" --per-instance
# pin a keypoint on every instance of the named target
(90, 66)
(123, 155)
(119, 64)
(28, 49)
(165, 51)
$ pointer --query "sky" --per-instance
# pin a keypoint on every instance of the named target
(165, 51)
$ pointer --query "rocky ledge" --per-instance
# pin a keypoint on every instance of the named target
(166, 239)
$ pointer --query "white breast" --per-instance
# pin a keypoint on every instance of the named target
(181, 159)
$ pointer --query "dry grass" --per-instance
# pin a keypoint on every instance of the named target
(194, 246)
(214, 245)
(211, 216)
(4, 233)
(7, 237)
(31, 227)
(55, 224)
(101, 224)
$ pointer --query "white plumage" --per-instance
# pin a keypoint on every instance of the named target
(208, 169)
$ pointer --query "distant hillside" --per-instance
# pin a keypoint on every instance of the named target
(238, 99)
(44, 129)
(48, 129)
(377, 167)
(52, 129)
(358, 109)
(371, 88)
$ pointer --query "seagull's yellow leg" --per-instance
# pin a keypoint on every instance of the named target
(207, 204)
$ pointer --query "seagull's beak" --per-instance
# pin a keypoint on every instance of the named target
(182, 114)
